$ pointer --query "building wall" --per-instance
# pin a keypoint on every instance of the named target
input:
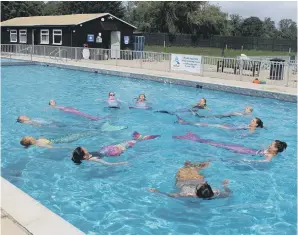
(105, 28)
(76, 36)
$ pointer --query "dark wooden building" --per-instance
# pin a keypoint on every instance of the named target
(101, 30)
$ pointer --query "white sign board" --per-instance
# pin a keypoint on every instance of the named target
(189, 63)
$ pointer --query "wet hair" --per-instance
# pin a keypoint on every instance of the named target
(27, 141)
(111, 92)
(78, 155)
(205, 191)
(205, 101)
(280, 145)
(259, 122)
(52, 101)
(143, 95)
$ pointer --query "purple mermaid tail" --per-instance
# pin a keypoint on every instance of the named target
(231, 147)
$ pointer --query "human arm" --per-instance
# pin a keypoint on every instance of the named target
(268, 158)
(227, 191)
(154, 190)
(106, 163)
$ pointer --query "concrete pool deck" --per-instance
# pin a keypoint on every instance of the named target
(99, 66)
(23, 215)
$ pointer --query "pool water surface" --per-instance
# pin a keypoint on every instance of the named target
(114, 200)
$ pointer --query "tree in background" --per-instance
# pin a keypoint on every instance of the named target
(80, 7)
(269, 30)
(287, 29)
(235, 24)
(12, 9)
(252, 27)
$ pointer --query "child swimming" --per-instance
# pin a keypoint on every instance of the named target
(192, 184)
(254, 123)
(141, 103)
(42, 142)
(247, 112)
(80, 154)
(72, 110)
(276, 147)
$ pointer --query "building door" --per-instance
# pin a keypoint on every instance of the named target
(115, 44)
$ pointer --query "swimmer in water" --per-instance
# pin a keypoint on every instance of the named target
(106, 127)
(192, 184)
(113, 101)
(247, 112)
(72, 110)
(201, 105)
(141, 100)
(42, 142)
(254, 123)
(110, 150)
(276, 147)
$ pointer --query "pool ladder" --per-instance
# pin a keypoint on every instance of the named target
(56, 55)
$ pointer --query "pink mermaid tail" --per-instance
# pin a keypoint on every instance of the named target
(231, 147)
(118, 149)
(137, 136)
(77, 112)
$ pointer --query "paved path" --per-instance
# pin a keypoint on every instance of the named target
(205, 79)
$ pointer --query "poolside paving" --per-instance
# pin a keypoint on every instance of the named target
(9, 226)
(207, 77)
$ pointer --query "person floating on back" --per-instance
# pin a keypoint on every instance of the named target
(276, 147)
(81, 154)
(72, 110)
(247, 112)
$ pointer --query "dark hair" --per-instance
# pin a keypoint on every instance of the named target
(143, 95)
(111, 92)
(205, 101)
(78, 155)
(280, 145)
(205, 191)
(259, 122)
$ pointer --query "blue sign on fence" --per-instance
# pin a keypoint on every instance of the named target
(90, 38)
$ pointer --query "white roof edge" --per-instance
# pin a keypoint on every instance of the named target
(104, 14)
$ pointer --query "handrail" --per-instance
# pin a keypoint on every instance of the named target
(56, 51)
(26, 49)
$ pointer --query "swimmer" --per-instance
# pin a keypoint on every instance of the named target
(113, 101)
(110, 150)
(247, 112)
(42, 142)
(202, 104)
(106, 127)
(276, 147)
(193, 184)
(254, 123)
(72, 110)
(140, 103)
(141, 99)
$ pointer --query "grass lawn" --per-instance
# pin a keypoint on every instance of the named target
(207, 51)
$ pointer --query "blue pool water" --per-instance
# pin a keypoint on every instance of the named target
(114, 200)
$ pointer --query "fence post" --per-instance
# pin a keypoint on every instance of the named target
(170, 63)
(241, 68)
(288, 73)
(31, 52)
(76, 54)
(202, 65)
(44, 51)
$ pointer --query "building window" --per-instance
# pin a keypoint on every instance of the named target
(23, 35)
(57, 37)
(13, 35)
(44, 36)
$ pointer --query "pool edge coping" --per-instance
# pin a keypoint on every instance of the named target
(184, 82)
(31, 214)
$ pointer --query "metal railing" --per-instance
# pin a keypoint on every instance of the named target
(271, 72)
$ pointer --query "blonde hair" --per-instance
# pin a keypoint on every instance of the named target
(52, 101)
(23, 118)
(27, 141)
(188, 173)
(249, 108)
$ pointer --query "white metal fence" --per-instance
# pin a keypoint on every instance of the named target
(277, 73)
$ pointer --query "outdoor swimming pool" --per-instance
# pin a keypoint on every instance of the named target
(114, 200)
